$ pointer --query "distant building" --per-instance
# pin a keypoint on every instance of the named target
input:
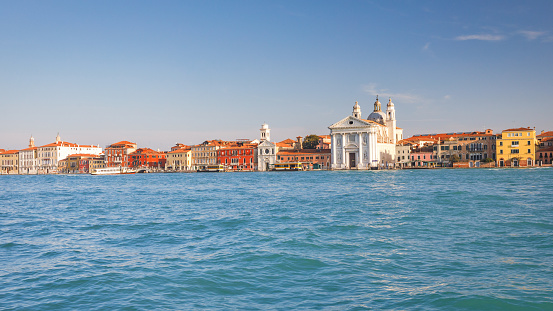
(266, 150)
(470, 147)
(517, 147)
(238, 157)
(147, 158)
(423, 157)
(324, 142)
(365, 143)
(117, 154)
(28, 159)
(9, 162)
(206, 153)
(310, 158)
(179, 158)
(49, 155)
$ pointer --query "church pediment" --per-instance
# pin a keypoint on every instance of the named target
(349, 122)
(266, 143)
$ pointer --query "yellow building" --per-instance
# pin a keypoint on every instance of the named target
(9, 162)
(179, 159)
(517, 147)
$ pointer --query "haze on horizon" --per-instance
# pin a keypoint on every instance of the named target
(157, 73)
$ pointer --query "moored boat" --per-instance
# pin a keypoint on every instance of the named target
(112, 171)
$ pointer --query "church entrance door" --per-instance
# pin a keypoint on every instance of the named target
(352, 160)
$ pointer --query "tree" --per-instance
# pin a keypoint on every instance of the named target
(488, 160)
(454, 158)
(310, 142)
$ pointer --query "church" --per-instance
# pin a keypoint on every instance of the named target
(370, 143)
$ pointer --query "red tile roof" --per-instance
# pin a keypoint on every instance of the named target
(84, 155)
(546, 134)
(31, 148)
(66, 144)
(185, 149)
(304, 151)
(445, 136)
(9, 151)
(519, 129)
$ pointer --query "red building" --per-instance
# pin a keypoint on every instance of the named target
(310, 158)
(238, 157)
(146, 157)
(118, 154)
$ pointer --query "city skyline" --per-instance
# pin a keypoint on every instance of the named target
(157, 74)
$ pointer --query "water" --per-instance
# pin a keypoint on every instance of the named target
(403, 240)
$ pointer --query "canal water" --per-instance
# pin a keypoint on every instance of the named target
(322, 240)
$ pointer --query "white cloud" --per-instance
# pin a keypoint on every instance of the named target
(447, 97)
(481, 37)
(531, 35)
(406, 98)
(426, 47)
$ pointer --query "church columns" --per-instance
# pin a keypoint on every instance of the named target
(344, 160)
(360, 163)
(373, 152)
(334, 154)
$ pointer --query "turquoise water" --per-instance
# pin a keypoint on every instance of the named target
(403, 240)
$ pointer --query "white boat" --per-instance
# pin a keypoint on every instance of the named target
(113, 171)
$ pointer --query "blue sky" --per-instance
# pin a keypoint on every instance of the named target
(161, 72)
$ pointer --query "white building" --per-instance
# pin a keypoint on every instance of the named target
(359, 143)
(28, 159)
(49, 155)
(266, 150)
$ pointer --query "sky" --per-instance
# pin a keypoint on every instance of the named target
(161, 72)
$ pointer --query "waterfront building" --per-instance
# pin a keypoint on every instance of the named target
(266, 150)
(544, 134)
(147, 158)
(310, 158)
(544, 155)
(423, 157)
(96, 163)
(49, 155)
(403, 154)
(117, 154)
(179, 158)
(324, 142)
(471, 148)
(206, 153)
(28, 159)
(238, 157)
(370, 143)
(78, 163)
(9, 162)
(517, 147)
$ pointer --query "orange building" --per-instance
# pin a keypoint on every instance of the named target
(118, 154)
(147, 158)
(310, 158)
(238, 157)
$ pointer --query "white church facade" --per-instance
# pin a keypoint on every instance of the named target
(370, 143)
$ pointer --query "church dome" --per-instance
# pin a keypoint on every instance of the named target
(377, 116)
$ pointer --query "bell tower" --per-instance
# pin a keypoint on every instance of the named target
(265, 132)
(377, 105)
(31, 142)
(356, 111)
(391, 121)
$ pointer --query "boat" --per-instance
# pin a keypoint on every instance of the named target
(288, 166)
(211, 168)
(113, 171)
